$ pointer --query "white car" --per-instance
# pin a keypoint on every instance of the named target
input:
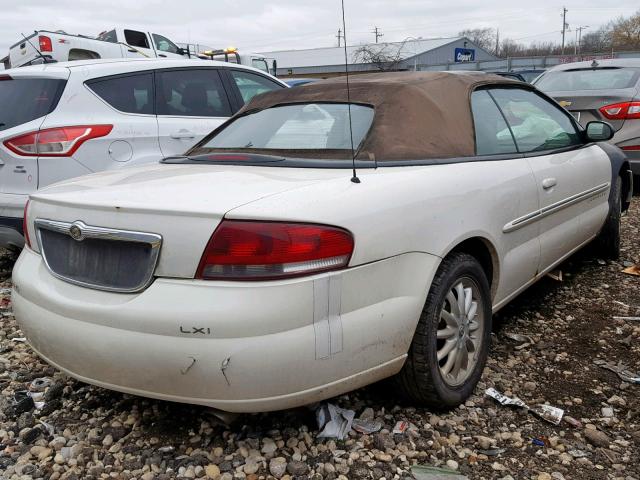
(258, 272)
(63, 120)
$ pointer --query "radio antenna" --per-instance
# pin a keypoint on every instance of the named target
(354, 178)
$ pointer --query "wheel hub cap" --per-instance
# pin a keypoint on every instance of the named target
(460, 331)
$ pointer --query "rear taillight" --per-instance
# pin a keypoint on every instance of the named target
(5, 77)
(45, 44)
(621, 111)
(25, 225)
(251, 250)
(634, 148)
(55, 142)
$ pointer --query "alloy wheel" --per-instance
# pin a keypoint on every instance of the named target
(460, 331)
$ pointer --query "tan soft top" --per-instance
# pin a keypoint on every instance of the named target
(419, 115)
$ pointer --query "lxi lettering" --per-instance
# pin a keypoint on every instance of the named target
(196, 331)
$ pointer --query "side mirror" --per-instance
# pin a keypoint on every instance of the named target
(598, 131)
(182, 51)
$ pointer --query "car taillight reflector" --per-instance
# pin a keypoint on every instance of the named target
(55, 142)
(45, 44)
(252, 250)
(631, 147)
(621, 111)
(25, 225)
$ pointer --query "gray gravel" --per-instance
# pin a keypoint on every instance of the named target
(85, 432)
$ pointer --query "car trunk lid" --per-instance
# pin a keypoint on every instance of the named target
(585, 106)
(181, 203)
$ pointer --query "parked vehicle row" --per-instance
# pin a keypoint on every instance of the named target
(64, 120)
(339, 236)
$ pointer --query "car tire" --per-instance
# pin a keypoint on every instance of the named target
(424, 379)
(608, 240)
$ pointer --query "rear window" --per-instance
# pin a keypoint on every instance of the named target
(25, 99)
(588, 79)
(308, 126)
(130, 93)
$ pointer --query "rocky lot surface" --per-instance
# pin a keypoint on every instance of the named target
(85, 432)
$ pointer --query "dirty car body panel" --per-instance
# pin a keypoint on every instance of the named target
(271, 343)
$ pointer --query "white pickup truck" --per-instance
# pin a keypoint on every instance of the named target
(117, 43)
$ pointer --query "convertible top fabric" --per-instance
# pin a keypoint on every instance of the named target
(418, 115)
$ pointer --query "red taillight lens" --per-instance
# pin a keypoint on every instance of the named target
(25, 225)
(45, 44)
(633, 148)
(55, 142)
(251, 250)
(621, 111)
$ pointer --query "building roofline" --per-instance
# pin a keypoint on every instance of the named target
(453, 39)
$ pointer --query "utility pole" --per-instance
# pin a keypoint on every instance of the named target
(376, 32)
(579, 37)
(564, 26)
(339, 36)
(497, 41)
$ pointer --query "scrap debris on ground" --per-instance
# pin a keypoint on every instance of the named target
(571, 344)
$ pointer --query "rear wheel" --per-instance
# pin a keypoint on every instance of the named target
(608, 241)
(451, 343)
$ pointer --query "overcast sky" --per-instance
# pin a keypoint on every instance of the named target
(254, 25)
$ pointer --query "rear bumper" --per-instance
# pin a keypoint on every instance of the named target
(11, 212)
(253, 347)
(11, 232)
(634, 163)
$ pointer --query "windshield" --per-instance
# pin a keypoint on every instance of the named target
(588, 79)
(25, 99)
(308, 126)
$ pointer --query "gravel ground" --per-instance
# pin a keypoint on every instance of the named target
(85, 432)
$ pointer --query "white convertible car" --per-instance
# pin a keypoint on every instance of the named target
(254, 273)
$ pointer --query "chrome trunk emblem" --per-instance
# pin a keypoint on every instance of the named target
(76, 231)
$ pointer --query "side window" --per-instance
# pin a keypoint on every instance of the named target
(109, 36)
(536, 123)
(492, 133)
(251, 84)
(192, 93)
(136, 39)
(164, 44)
(131, 93)
(260, 64)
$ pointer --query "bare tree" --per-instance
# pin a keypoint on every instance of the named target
(482, 37)
(626, 32)
(598, 41)
(385, 56)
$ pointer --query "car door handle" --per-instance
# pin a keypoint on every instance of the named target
(162, 55)
(548, 183)
(182, 134)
